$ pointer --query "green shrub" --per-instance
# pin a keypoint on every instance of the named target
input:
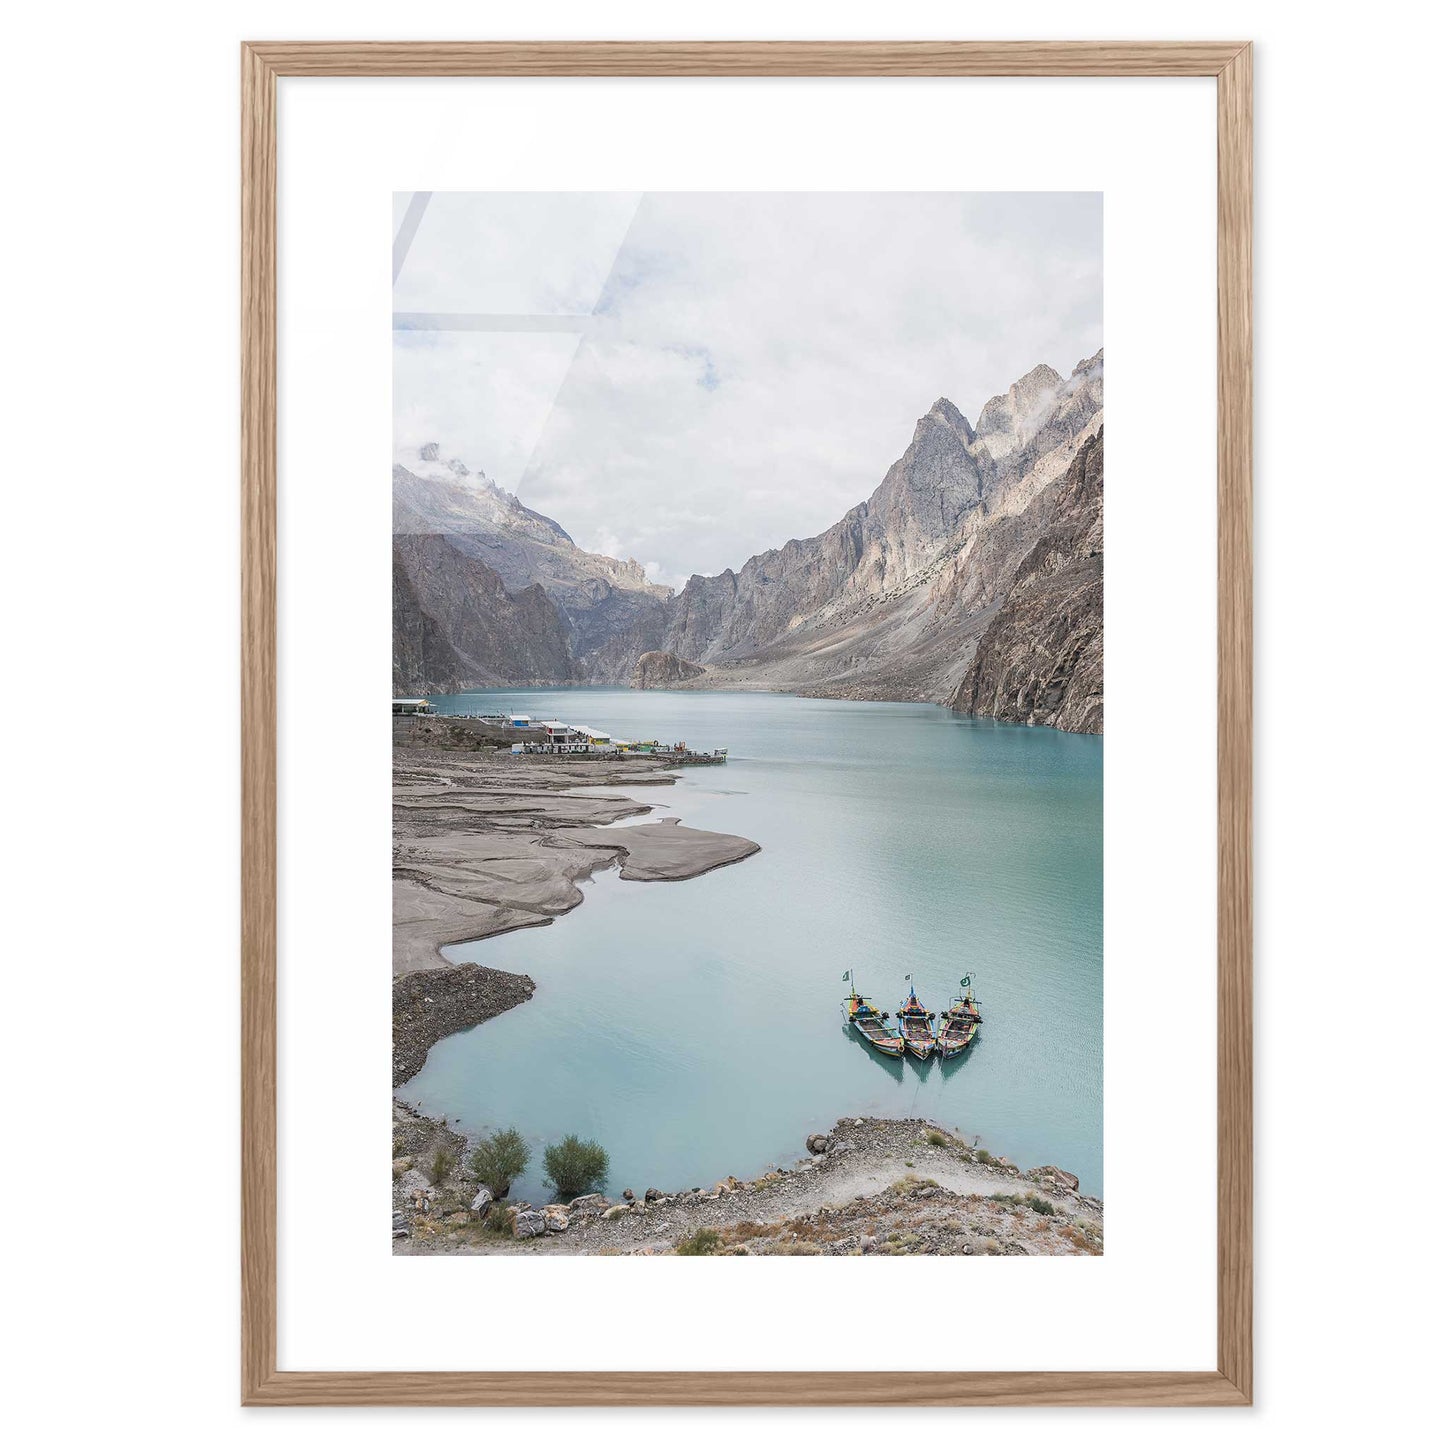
(983, 1156)
(498, 1219)
(939, 1141)
(703, 1241)
(575, 1166)
(497, 1161)
(441, 1164)
(1034, 1202)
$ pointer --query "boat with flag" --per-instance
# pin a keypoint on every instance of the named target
(870, 1023)
(960, 1023)
(915, 1023)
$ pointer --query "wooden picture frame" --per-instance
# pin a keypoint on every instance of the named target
(262, 1383)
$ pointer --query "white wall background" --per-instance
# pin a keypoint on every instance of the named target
(121, 599)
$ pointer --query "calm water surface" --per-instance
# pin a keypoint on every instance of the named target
(694, 1028)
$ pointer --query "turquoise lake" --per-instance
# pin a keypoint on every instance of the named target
(695, 1028)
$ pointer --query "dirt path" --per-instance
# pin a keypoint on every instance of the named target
(882, 1185)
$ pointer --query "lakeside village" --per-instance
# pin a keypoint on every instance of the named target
(554, 738)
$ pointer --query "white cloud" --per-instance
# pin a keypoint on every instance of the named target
(753, 364)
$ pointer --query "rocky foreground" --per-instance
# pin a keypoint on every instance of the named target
(870, 1186)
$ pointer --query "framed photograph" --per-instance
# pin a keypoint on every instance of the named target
(744, 870)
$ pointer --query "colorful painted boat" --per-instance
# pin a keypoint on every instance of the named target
(872, 1025)
(959, 1025)
(915, 1023)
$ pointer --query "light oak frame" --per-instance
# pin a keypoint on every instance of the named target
(1231, 1383)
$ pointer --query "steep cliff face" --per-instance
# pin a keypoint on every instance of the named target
(663, 669)
(422, 658)
(454, 624)
(1041, 659)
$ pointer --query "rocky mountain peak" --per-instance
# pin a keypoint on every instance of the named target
(1008, 421)
(944, 411)
(430, 463)
(1032, 386)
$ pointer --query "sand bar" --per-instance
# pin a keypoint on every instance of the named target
(485, 842)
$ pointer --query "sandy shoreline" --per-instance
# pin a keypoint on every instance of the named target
(485, 842)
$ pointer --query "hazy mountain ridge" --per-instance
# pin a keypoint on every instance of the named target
(605, 610)
(892, 601)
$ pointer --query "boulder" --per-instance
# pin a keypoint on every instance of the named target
(628, 1195)
(616, 1212)
(590, 1203)
(482, 1201)
(653, 1195)
(528, 1224)
(556, 1218)
(1061, 1176)
(818, 1143)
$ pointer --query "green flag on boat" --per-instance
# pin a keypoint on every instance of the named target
(847, 975)
(966, 981)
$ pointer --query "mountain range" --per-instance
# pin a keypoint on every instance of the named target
(973, 576)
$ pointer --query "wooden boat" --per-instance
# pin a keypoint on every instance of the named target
(960, 1023)
(873, 1025)
(915, 1023)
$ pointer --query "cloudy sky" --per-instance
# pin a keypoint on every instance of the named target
(689, 378)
